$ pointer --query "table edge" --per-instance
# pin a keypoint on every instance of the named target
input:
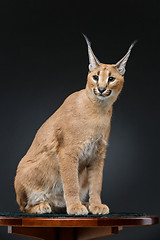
(146, 220)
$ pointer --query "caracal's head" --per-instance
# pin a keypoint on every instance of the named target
(105, 81)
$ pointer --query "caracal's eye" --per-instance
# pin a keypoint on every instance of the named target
(95, 77)
(111, 79)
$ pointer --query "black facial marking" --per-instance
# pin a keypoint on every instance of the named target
(95, 77)
(98, 72)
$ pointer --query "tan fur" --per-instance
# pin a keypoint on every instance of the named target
(66, 158)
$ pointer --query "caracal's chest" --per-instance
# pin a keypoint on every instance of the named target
(88, 149)
(92, 145)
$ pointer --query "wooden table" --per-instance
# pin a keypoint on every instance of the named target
(71, 228)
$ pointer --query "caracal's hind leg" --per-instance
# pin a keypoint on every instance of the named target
(40, 208)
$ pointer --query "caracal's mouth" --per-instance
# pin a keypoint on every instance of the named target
(102, 95)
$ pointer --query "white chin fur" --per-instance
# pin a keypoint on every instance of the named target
(101, 97)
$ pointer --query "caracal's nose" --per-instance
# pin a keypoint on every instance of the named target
(101, 89)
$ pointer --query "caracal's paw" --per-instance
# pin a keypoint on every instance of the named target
(98, 208)
(77, 210)
(43, 207)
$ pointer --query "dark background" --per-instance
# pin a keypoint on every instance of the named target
(43, 59)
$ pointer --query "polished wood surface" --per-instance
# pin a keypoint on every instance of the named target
(72, 228)
(78, 221)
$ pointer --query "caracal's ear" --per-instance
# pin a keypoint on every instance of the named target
(120, 65)
(93, 61)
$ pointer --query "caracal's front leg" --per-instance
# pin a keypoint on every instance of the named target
(95, 174)
(69, 173)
